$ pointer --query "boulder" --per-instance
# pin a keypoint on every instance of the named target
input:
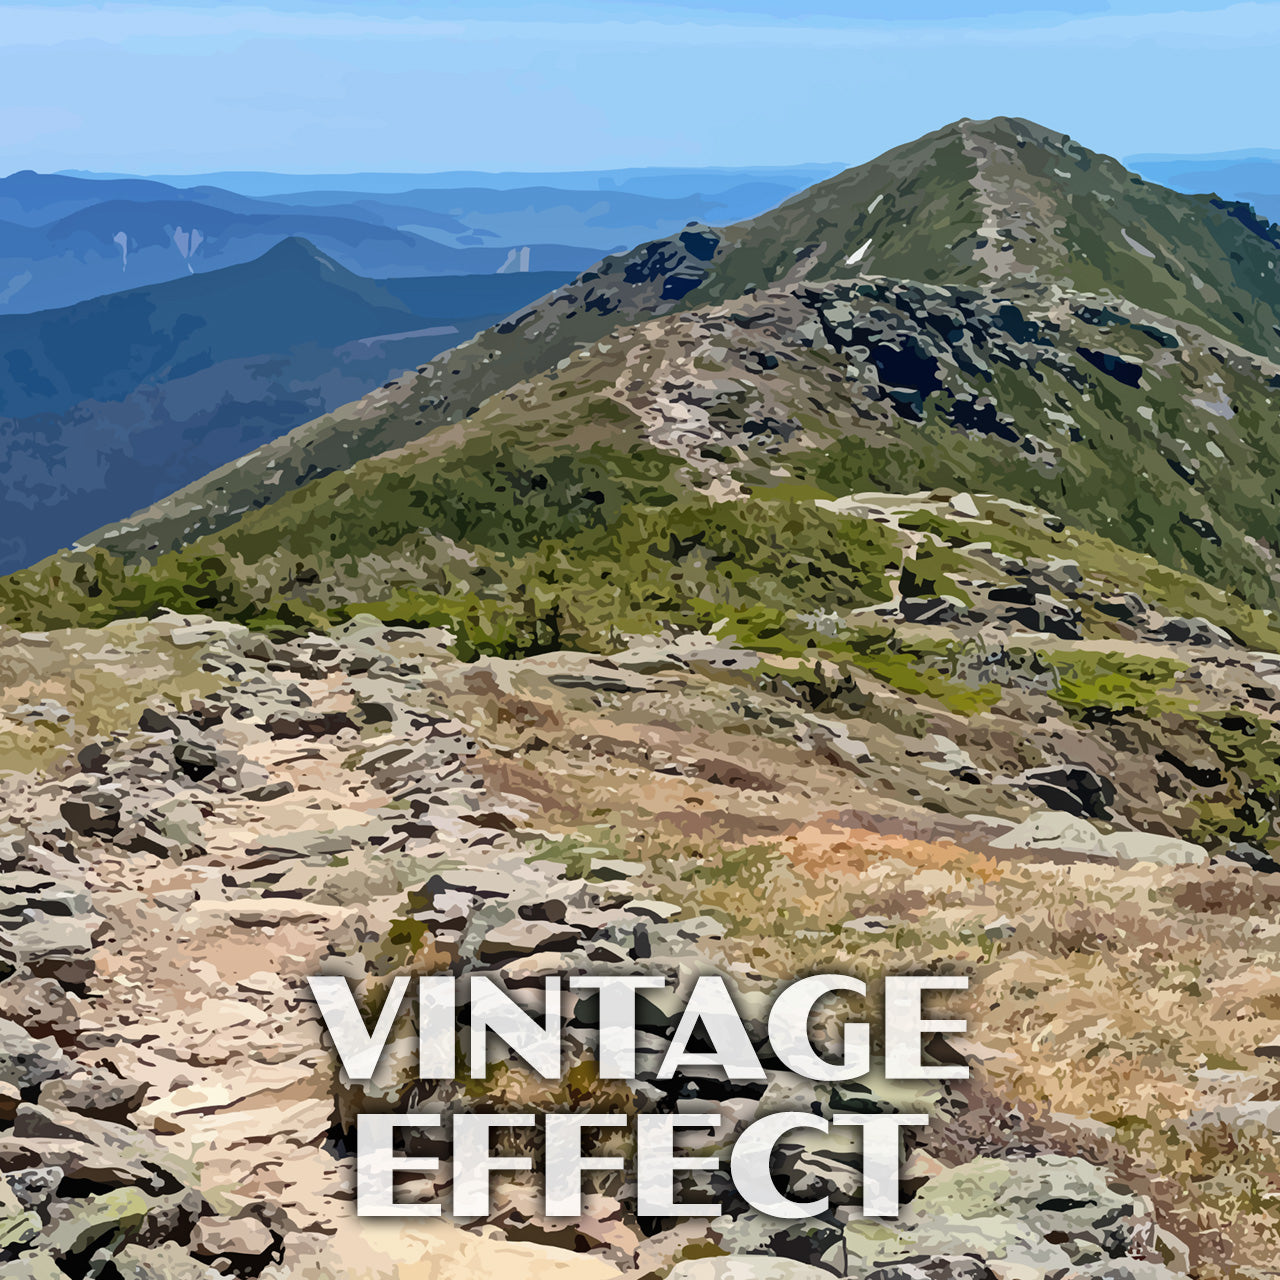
(1046, 615)
(35, 1266)
(933, 610)
(1124, 1269)
(57, 947)
(33, 1188)
(307, 722)
(269, 791)
(215, 1237)
(1064, 1200)
(1145, 846)
(94, 757)
(1195, 631)
(614, 869)
(1252, 856)
(1065, 575)
(93, 812)
(18, 1225)
(23, 892)
(167, 1261)
(195, 760)
(1071, 788)
(27, 1062)
(94, 1093)
(153, 721)
(1057, 832)
(88, 1150)
(1127, 608)
(934, 1267)
(525, 937)
(746, 1266)
(80, 1224)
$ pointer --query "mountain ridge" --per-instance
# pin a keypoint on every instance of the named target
(114, 402)
(109, 345)
(808, 238)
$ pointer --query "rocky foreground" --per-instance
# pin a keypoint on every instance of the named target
(197, 817)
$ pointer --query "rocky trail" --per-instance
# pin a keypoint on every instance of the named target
(364, 804)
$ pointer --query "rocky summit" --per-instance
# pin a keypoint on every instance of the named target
(885, 585)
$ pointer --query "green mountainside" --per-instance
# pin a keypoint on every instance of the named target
(1088, 345)
(980, 204)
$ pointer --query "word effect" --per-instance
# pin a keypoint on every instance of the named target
(709, 1032)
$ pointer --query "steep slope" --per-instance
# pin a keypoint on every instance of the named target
(1254, 180)
(668, 448)
(982, 204)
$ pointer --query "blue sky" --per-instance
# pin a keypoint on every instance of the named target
(325, 86)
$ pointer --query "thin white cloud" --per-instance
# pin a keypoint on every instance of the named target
(150, 23)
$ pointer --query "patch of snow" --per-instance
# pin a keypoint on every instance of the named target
(871, 208)
(1133, 244)
(857, 255)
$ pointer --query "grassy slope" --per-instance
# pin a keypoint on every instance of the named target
(924, 207)
(565, 511)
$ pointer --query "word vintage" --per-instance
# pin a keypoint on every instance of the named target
(707, 1032)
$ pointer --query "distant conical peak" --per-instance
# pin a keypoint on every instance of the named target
(298, 250)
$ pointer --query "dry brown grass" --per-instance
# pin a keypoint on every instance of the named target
(1115, 1006)
(103, 678)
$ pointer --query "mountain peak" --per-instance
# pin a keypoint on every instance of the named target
(1016, 127)
(1008, 202)
(299, 252)
(1002, 208)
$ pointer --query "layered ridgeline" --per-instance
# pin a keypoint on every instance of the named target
(115, 402)
(992, 308)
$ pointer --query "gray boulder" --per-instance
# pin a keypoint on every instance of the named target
(1063, 1201)
(1071, 788)
(25, 1061)
(746, 1266)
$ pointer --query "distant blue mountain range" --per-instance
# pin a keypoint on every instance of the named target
(109, 404)
(1251, 176)
(663, 183)
(153, 329)
(65, 238)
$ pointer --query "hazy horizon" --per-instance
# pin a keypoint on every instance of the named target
(307, 87)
